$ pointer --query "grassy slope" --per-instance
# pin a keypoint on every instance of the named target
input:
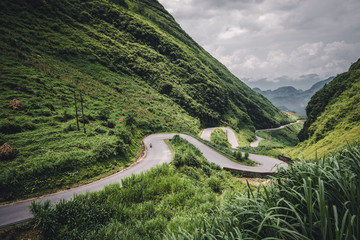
(132, 61)
(305, 201)
(148, 205)
(333, 115)
(285, 137)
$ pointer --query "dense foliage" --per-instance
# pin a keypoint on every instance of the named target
(333, 115)
(285, 137)
(317, 200)
(147, 205)
(138, 72)
(218, 136)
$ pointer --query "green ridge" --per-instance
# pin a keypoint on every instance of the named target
(139, 72)
(333, 115)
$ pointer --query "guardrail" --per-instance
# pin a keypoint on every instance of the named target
(285, 159)
(248, 173)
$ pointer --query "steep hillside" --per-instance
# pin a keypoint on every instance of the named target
(333, 115)
(292, 99)
(138, 73)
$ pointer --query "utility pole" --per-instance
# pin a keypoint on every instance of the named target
(76, 113)
(82, 111)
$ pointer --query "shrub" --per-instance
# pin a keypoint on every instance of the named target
(28, 126)
(191, 160)
(110, 124)
(104, 114)
(64, 117)
(214, 183)
(246, 155)
(178, 161)
(69, 128)
(104, 151)
(99, 130)
(238, 155)
(9, 127)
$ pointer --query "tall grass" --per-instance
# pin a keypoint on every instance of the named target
(147, 205)
(317, 200)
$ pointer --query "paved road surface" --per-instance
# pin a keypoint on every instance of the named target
(256, 143)
(273, 129)
(159, 153)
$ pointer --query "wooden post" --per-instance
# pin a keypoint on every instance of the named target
(82, 111)
(76, 113)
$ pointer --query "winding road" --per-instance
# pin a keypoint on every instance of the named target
(258, 139)
(159, 153)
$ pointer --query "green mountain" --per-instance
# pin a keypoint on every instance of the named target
(138, 72)
(333, 115)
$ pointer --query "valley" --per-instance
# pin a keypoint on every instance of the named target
(116, 124)
(153, 156)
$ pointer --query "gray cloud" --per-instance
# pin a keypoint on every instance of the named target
(273, 39)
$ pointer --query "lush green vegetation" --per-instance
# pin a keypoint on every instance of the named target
(243, 158)
(285, 137)
(277, 142)
(138, 72)
(294, 116)
(245, 137)
(333, 115)
(310, 200)
(219, 137)
(147, 205)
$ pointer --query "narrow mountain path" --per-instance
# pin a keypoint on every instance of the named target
(157, 154)
(273, 129)
(258, 139)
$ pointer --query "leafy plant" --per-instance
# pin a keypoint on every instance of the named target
(305, 201)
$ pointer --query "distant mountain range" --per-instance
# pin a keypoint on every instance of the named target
(291, 99)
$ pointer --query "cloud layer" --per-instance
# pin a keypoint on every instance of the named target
(272, 43)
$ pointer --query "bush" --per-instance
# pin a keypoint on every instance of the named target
(104, 151)
(99, 130)
(69, 128)
(246, 155)
(104, 114)
(66, 116)
(9, 127)
(178, 161)
(28, 126)
(238, 155)
(191, 160)
(214, 183)
(108, 123)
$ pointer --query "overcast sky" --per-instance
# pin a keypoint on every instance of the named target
(273, 43)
